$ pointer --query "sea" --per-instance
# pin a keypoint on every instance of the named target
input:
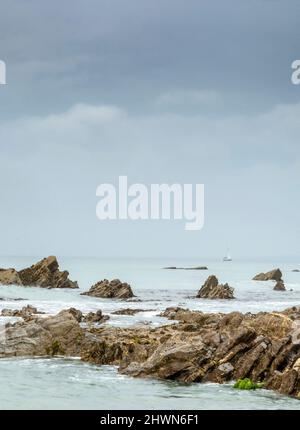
(58, 383)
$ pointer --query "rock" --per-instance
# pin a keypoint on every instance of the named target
(211, 289)
(129, 311)
(40, 336)
(45, 274)
(95, 317)
(200, 347)
(25, 312)
(187, 268)
(110, 289)
(273, 275)
(76, 313)
(9, 277)
(279, 286)
(296, 270)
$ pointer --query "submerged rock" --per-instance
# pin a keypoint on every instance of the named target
(45, 274)
(211, 289)
(114, 289)
(273, 275)
(279, 286)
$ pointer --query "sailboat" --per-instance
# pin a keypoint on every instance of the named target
(228, 257)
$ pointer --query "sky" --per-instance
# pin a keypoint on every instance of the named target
(166, 91)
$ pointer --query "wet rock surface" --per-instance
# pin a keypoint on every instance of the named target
(114, 289)
(211, 289)
(45, 274)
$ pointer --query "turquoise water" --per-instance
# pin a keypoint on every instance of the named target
(58, 383)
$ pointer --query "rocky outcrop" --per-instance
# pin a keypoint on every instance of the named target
(45, 274)
(200, 347)
(114, 289)
(95, 317)
(273, 275)
(187, 268)
(279, 286)
(40, 336)
(211, 289)
(207, 348)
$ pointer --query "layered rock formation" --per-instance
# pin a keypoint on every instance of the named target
(273, 275)
(45, 274)
(211, 289)
(207, 347)
(114, 289)
(201, 347)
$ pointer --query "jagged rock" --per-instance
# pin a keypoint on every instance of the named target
(279, 286)
(129, 311)
(110, 289)
(273, 275)
(95, 317)
(45, 274)
(211, 289)
(187, 268)
(219, 348)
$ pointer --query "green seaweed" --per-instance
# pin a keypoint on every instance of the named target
(247, 384)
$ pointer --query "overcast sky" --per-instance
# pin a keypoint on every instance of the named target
(161, 91)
